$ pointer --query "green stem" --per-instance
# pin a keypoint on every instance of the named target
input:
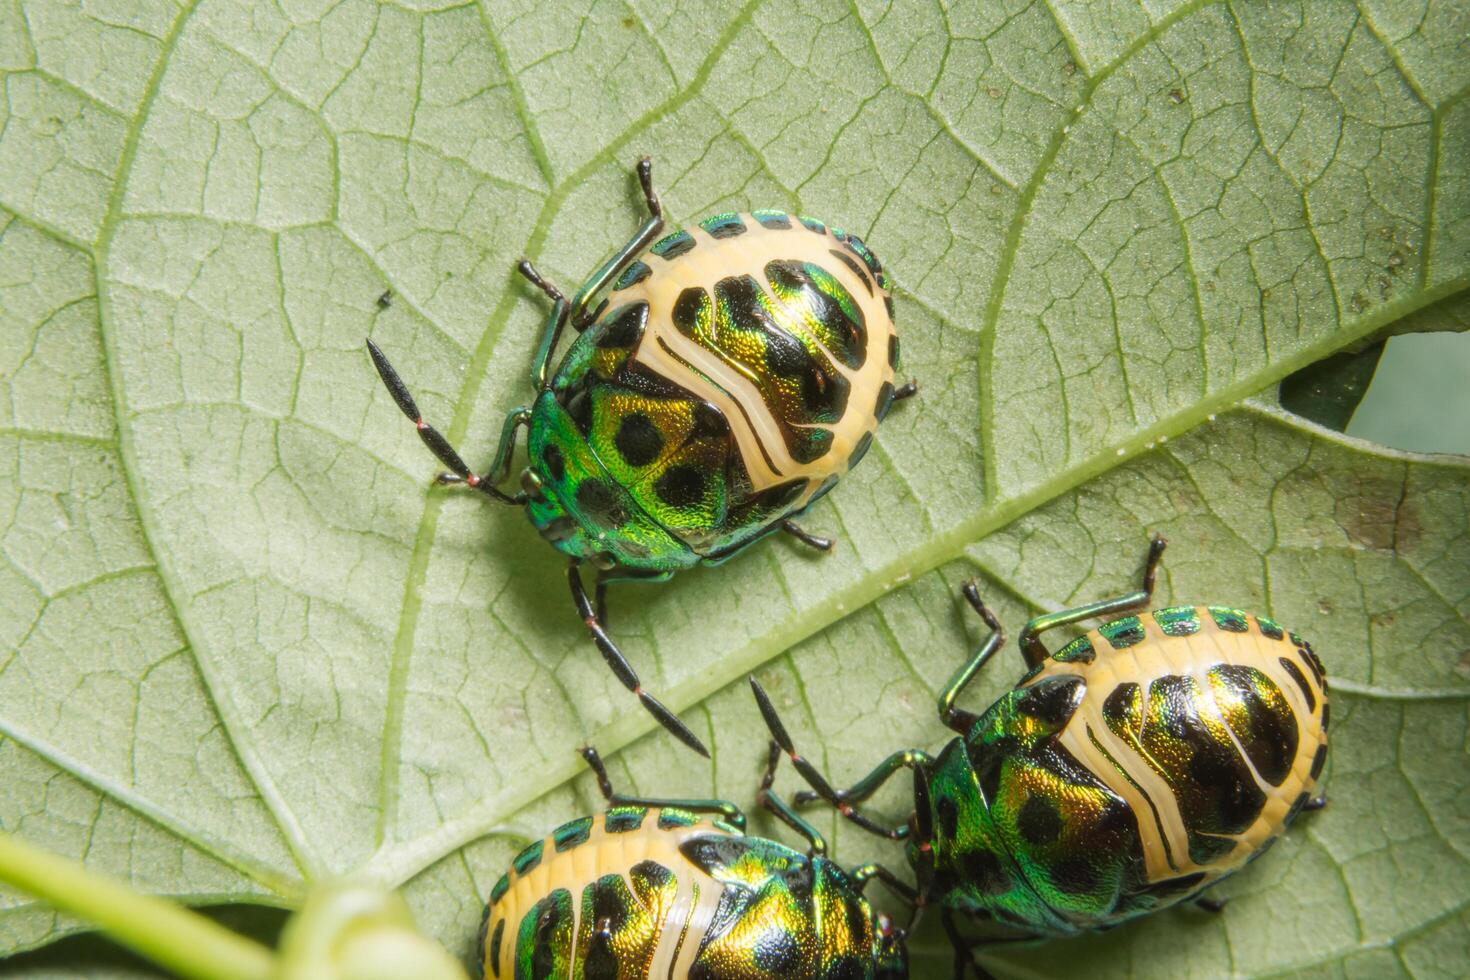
(173, 937)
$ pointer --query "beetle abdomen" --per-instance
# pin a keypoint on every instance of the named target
(611, 892)
(662, 893)
(1209, 725)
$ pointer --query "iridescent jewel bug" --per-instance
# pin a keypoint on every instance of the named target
(725, 377)
(1130, 770)
(676, 890)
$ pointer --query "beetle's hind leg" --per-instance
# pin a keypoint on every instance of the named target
(623, 670)
(814, 778)
(806, 537)
(782, 810)
(440, 446)
(1031, 646)
(726, 810)
(955, 718)
(964, 949)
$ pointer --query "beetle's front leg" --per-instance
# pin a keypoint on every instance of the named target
(645, 236)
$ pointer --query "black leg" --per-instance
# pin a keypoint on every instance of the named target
(903, 391)
(782, 810)
(809, 772)
(624, 670)
(432, 437)
(1315, 803)
(1212, 905)
(964, 954)
(805, 537)
(555, 323)
(873, 781)
(607, 576)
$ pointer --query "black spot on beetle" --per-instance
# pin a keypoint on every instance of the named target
(1171, 888)
(495, 942)
(1301, 682)
(1074, 876)
(622, 819)
(786, 357)
(636, 272)
(691, 306)
(949, 817)
(1220, 771)
(638, 440)
(597, 501)
(885, 401)
(775, 952)
(672, 246)
(724, 226)
(1296, 807)
(579, 409)
(1039, 821)
(681, 486)
(556, 466)
(569, 835)
(709, 422)
(857, 270)
(714, 852)
(1318, 761)
(984, 872)
(1051, 701)
(621, 332)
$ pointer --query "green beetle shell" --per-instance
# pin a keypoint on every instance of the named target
(1139, 764)
(732, 374)
(638, 893)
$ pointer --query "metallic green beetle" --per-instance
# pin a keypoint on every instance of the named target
(726, 376)
(676, 890)
(1138, 765)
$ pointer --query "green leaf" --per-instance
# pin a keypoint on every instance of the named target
(246, 646)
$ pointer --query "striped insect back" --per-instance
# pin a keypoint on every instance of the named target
(1184, 742)
(1210, 723)
(784, 325)
(611, 893)
(736, 371)
(667, 891)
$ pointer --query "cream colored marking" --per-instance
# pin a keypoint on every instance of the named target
(692, 911)
(713, 259)
(1194, 656)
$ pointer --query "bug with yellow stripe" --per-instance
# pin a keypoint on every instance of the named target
(676, 890)
(725, 377)
(1129, 770)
